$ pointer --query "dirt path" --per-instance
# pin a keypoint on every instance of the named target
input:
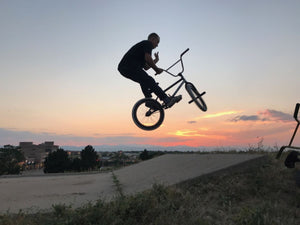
(41, 192)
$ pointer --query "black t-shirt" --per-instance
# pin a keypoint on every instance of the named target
(135, 57)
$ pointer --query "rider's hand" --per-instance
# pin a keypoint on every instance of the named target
(159, 71)
(156, 59)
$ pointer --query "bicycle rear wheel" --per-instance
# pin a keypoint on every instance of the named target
(196, 96)
(148, 114)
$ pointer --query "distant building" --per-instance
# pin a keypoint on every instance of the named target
(74, 154)
(37, 153)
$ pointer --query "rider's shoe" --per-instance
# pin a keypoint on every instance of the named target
(152, 105)
(172, 100)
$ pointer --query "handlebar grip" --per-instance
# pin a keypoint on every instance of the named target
(296, 112)
(184, 52)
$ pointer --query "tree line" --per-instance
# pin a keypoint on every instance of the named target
(59, 161)
(10, 159)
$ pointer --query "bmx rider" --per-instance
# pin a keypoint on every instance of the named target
(138, 59)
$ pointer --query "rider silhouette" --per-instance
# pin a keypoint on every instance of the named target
(137, 60)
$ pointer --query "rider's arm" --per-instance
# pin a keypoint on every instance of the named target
(146, 67)
(150, 63)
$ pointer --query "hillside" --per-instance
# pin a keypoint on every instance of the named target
(260, 192)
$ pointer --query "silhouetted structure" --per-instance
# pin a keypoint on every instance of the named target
(36, 154)
(293, 156)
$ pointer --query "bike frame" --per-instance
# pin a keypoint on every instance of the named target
(182, 80)
(152, 113)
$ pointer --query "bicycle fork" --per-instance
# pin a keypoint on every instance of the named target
(199, 96)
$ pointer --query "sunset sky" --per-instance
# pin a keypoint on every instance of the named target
(59, 78)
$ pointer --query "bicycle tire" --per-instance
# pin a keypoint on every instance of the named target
(154, 118)
(196, 96)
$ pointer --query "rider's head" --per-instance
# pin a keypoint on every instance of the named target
(154, 39)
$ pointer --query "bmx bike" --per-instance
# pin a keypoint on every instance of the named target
(148, 114)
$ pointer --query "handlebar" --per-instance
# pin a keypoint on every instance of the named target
(184, 52)
(179, 60)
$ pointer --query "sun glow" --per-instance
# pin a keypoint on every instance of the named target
(189, 133)
(198, 134)
(221, 114)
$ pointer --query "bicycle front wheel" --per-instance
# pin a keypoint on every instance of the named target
(196, 96)
(148, 114)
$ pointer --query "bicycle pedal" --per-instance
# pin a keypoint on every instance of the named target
(179, 99)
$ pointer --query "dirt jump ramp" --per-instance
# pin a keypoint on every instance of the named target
(30, 194)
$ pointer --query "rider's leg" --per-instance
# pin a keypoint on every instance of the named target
(132, 75)
(147, 91)
(147, 82)
(148, 85)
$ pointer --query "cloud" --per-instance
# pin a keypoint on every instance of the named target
(247, 118)
(276, 115)
(13, 137)
(266, 115)
(10, 136)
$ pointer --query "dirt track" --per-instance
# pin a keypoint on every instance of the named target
(41, 192)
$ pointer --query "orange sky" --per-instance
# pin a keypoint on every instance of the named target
(59, 78)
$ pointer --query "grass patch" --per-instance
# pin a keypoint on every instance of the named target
(118, 185)
(261, 192)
